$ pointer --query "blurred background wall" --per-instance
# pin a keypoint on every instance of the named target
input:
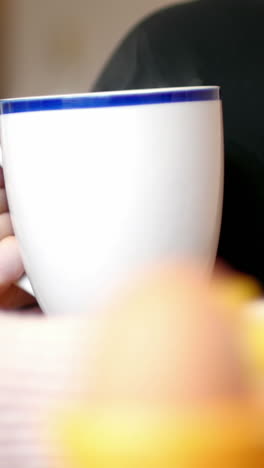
(59, 46)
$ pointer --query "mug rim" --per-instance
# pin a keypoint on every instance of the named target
(110, 99)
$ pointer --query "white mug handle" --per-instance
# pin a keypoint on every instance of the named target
(23, 282)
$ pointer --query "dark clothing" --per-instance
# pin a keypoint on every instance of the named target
(212, 42)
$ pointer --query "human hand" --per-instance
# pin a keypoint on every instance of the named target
(11, 266)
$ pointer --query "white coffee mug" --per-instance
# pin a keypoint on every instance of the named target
(102, 185)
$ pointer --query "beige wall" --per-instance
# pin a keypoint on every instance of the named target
(58, 46)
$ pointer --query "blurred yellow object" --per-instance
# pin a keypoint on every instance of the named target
(233, 292)
(253, 335)
(222, 438)
(238, 295)
(146, 332)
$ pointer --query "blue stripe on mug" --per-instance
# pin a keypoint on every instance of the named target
(113, 99)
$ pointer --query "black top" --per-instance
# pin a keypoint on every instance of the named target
(212, 42)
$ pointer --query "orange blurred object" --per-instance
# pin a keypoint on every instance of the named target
(169, 386)
(222, 438)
